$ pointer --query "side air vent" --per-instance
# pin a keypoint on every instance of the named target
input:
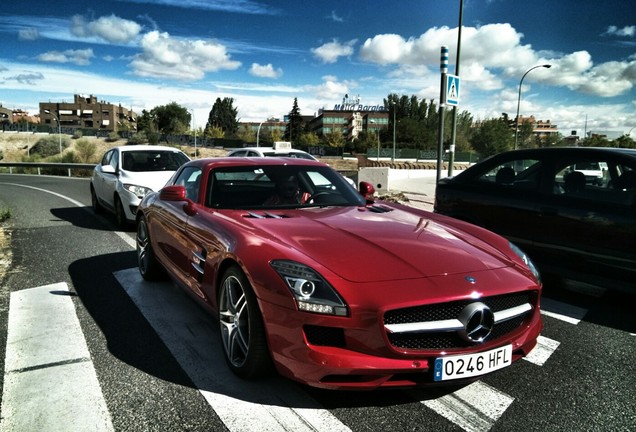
(264, 215)
(379, 209)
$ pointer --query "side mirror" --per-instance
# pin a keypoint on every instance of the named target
(107, 169)
(367, 191)
(178, 193)
(173, 193)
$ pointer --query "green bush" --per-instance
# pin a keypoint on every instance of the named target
(113, 136)
(138, 138)
(85, 150)
(49, 146)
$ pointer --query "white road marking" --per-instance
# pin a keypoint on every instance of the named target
(49, 380)
(120, 234)
(474, 408)
(542, 352)
(562, 311)
(190, 335)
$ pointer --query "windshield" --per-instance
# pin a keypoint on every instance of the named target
(152, 160)
(279, 186)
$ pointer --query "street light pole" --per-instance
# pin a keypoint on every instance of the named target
(547, 66)
(258, 132)
(194, 127)
(59, 128)
(393, 157)
(377, 133)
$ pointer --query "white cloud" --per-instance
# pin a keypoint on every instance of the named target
(265, 71)
(28, 34)
(628, 31)
(331, 51)
(109, 28)
(184, 60)
(78, 57)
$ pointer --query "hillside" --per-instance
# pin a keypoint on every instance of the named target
(14, 147)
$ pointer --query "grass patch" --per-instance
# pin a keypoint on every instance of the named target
(5, 214)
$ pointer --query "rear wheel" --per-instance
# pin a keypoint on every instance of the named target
(149, 267)
(241, 326)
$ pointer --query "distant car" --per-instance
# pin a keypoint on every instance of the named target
(337, 291)
(572, 209)
(127, 173)
(279, 149)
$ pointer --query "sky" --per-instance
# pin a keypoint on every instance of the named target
(264, 53)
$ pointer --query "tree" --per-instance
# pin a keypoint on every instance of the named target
(308, 139)
(168, 119)
(334, 138)
(624, 141)
(492, 137)
(223, 115)
(295, 124)
(246, 134)
(525, 134)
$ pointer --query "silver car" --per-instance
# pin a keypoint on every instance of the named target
(127, 173)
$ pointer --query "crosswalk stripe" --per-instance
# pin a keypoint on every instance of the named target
(49, 379)
(474, 408)
(562, 311)
(242, 405)
(542, 352)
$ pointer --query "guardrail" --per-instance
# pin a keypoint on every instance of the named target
(47, 165)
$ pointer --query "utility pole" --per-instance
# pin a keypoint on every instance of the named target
(442, 89)
(451, 152)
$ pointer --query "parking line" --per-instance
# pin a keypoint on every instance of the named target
(189, 335)
(562, 311)
(474, 408)
(49, 379)
(542, 351)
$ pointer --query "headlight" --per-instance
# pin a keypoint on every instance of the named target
(311, 291)
(527, 261)
(139, 191)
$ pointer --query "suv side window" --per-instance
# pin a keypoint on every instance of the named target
(514, 174)
(596, 180)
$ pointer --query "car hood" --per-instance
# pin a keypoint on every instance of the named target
(154, 180)
(361, 245)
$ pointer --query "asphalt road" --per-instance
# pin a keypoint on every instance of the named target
(149, 358)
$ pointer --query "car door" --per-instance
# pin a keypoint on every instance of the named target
(589, 222)
(503, 197)
(106, 183)
(170, 219)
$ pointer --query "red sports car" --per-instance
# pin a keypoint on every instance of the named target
(309, 276)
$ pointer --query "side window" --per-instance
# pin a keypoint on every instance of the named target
(597, 180)
(190, 178)
(514, 174)
(114, 160)
(106, 157)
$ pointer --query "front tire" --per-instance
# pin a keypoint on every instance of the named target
(97, 207)
(120, 214)
(241, 327)
(149, 267)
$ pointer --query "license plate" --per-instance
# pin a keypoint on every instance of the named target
(469, 365)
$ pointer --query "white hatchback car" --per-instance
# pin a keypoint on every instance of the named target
(279, 149)
(127, 173)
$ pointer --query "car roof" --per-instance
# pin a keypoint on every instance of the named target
(253, 162)
(271, 149)
(145, 147)
(574, 150)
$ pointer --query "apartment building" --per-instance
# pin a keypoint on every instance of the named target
(86, 112)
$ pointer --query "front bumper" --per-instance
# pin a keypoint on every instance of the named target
(332, 357)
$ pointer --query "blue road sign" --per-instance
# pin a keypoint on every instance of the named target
(452, 90)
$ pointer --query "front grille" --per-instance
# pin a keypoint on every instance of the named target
(446, 311)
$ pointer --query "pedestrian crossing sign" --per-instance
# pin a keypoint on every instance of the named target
(452, 90)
